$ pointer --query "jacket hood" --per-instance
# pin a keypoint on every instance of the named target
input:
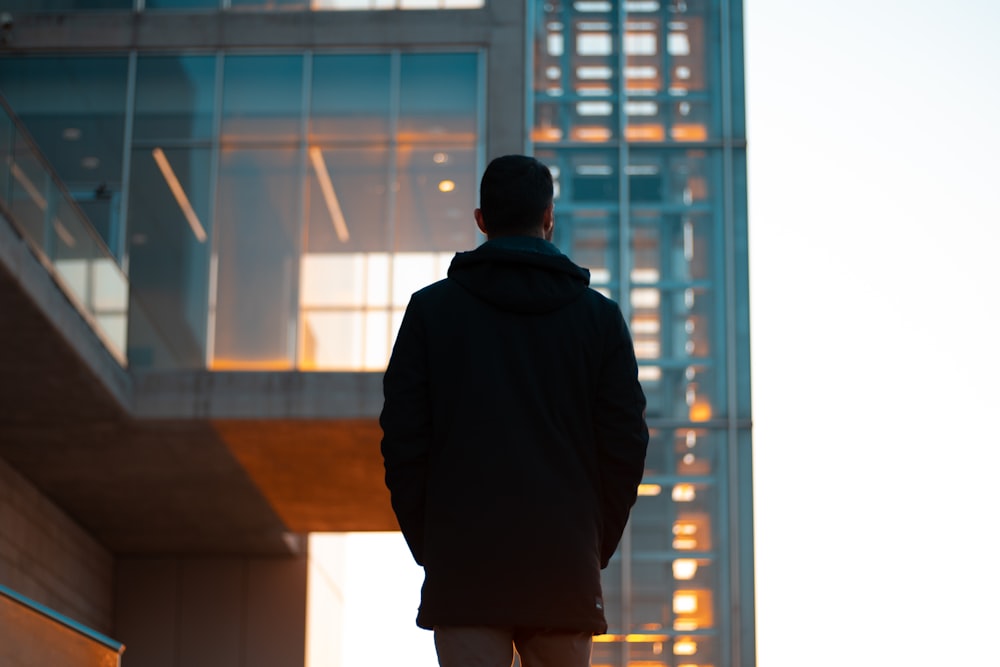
(522, 275)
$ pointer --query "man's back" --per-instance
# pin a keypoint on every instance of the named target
(526, 397)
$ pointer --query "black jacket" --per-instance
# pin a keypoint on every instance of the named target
(514, 438)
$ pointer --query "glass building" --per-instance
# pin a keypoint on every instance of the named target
(259, 185)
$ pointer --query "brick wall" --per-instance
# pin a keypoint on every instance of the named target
(47, 557)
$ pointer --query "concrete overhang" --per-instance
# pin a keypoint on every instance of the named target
(189, 462)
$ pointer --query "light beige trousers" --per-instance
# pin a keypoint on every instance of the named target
(461, 646)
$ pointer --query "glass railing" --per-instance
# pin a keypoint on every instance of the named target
(33, 634)
(38, 205)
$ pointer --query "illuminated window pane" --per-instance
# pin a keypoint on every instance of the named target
(259, 207)
(333, 280)
(594, 108)
(554, 44)
(592, 6)
(593, 44)
(640, 44)
(594, 72)
(412, 271)
(678, 44)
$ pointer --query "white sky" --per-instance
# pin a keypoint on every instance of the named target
(874, 229)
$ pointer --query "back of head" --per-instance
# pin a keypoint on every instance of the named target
(514, 194)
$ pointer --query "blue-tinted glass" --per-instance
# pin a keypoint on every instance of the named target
(270, 4)
(258, 246)
(64, 5)
(182, 4)
(174, 98)
(262, 98)
(170, 226)
(438, 94)
(74, 109)
(350, 98)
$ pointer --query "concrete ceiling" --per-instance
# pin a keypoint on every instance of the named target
(173, 485)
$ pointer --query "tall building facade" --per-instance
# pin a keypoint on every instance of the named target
(238, 197)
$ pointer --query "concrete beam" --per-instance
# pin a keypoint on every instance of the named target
(257, 395)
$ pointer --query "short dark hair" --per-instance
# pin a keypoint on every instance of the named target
(514, 194)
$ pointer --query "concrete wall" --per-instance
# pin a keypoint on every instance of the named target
(211, 612)
(46, 556)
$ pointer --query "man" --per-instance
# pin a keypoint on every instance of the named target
(514, 437)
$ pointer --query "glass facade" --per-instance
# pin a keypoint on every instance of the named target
(266, 5)
(633, 107)
(265, 232)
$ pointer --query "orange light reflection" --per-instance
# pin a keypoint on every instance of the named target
(251, 364)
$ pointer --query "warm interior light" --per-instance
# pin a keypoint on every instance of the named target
(685, 568)
(179, 195)
(650, 489)
(683, 493)
(644, 133)
(590, 133)
(689, 132)
(701, 411)
(546, 134)
(685, 625)
(684, 528)
(685, 603)
(685, 647)
(219, 364)
(329, 194)
(446, 185)
(644, 639)
(685, 543)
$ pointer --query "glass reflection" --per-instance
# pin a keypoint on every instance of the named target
(257, 246)
(350, 98)
(437, 98)
(262, 98)
(174, 98)
(170, 226)
(74, 109)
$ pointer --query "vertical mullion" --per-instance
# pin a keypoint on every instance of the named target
(307, 63)
(732, 435)
(119, 245)
(215, 166)
(624, 281)
(392, 176)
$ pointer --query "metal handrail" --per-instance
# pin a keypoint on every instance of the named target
(55, 616)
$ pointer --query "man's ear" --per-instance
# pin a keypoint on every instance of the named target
(480, 222)
(549, 222)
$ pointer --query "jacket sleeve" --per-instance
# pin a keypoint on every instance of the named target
(406, 429)
(621, 433)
